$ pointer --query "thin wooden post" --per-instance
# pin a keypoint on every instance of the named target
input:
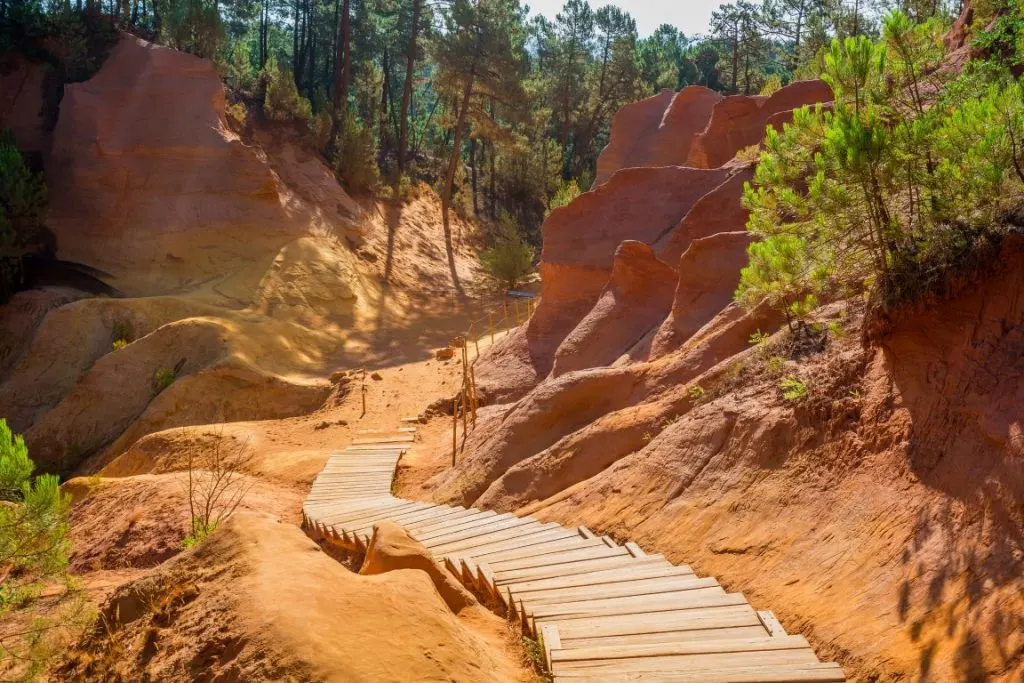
(364, 395)
(455, 428)
(516, 303)
(472, 386)
(465, 391)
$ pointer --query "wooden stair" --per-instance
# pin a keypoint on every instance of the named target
(604, 612)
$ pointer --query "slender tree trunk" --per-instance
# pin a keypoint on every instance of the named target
(446, 196)
(472, 167)
(493, 183)
(410, 67)
(346, 64)
(382, 119)
(295, 43)
(736, 60)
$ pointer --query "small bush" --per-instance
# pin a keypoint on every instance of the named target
(281, 99)
(759, 338)
(793, 389)
(237, 116)
(749, 154)
(122, 330)
(510, 259)
(355, 152)
(775, 365)
(200, 530)
(565, 193)
(772, 85)
(696, 393)
(119, 344)
(163, 378)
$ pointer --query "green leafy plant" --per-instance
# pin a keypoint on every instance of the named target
(565, 194)
(122, 330)
(793, 389)
(775, 365)
(118, 344)
(759, 338)
(696, 393)
(509, 259)
(356, 154)
(164, 378)
(281, 99)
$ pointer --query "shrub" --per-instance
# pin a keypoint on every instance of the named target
(237, 116)
(793, 389)
(118, 344)
(22, 204)
(33, 523)
(696, 393)
(772, 85)
(281, 99)
(749, 155)
(164, 378)
(564, 195)
(122, 330)
(759, 338)
(893, 186)
(192, 27)
(356, 154)
(319, 131)
(509, 260)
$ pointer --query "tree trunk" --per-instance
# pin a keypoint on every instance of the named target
(446, 195)
(410, 67)
(346, 65)
(472, 167)
(295, 44)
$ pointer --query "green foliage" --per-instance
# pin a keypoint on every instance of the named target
(118, 344)
(566, 192)
(509, 260)
(194, 26)
(22, 206)
(759, 338)
(163, 378)
(123, 330)
(793, 389)
(696, 393)
(890, 189)
(15, 465)
(281, 99)
(200, 530)
(772, 85)
(356, 154)
(33, 523)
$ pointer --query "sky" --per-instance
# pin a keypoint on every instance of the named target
(689, 16)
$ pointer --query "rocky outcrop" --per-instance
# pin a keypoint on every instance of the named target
(709, 273)
(637, 297)
(150, 185)
(739, 121)
(720, 210)
(580, 241)
(658, 131)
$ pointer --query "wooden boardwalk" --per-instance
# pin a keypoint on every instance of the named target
(604, 612)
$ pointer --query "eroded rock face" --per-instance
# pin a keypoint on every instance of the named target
(709, 273)
(658, 131)
(739, 121)
(637, 297)
(149, 184)
(580, 241)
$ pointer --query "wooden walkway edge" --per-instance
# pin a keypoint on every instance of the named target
(603, 612)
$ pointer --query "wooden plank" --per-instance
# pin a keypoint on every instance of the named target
(586, 533)
(550, 641)
(480, 543)
(595, 578)
(652, 600)
(463, 525)
(727, 645)
(681, 663)
(451, 540)
(567, 569)
(423, 529)
(634, 549)
(622, 589)
(668, 636)
(374, 513)
(682, 620)
(771, 624)
(692, 601)
(576, 553)
(800, 673)
(541, 535)
(358, 511)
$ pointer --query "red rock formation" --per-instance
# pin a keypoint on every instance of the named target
(580, 242)
(657, 131)
(709, 273)
(637, 297)
(739, 121)
(148, 183)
